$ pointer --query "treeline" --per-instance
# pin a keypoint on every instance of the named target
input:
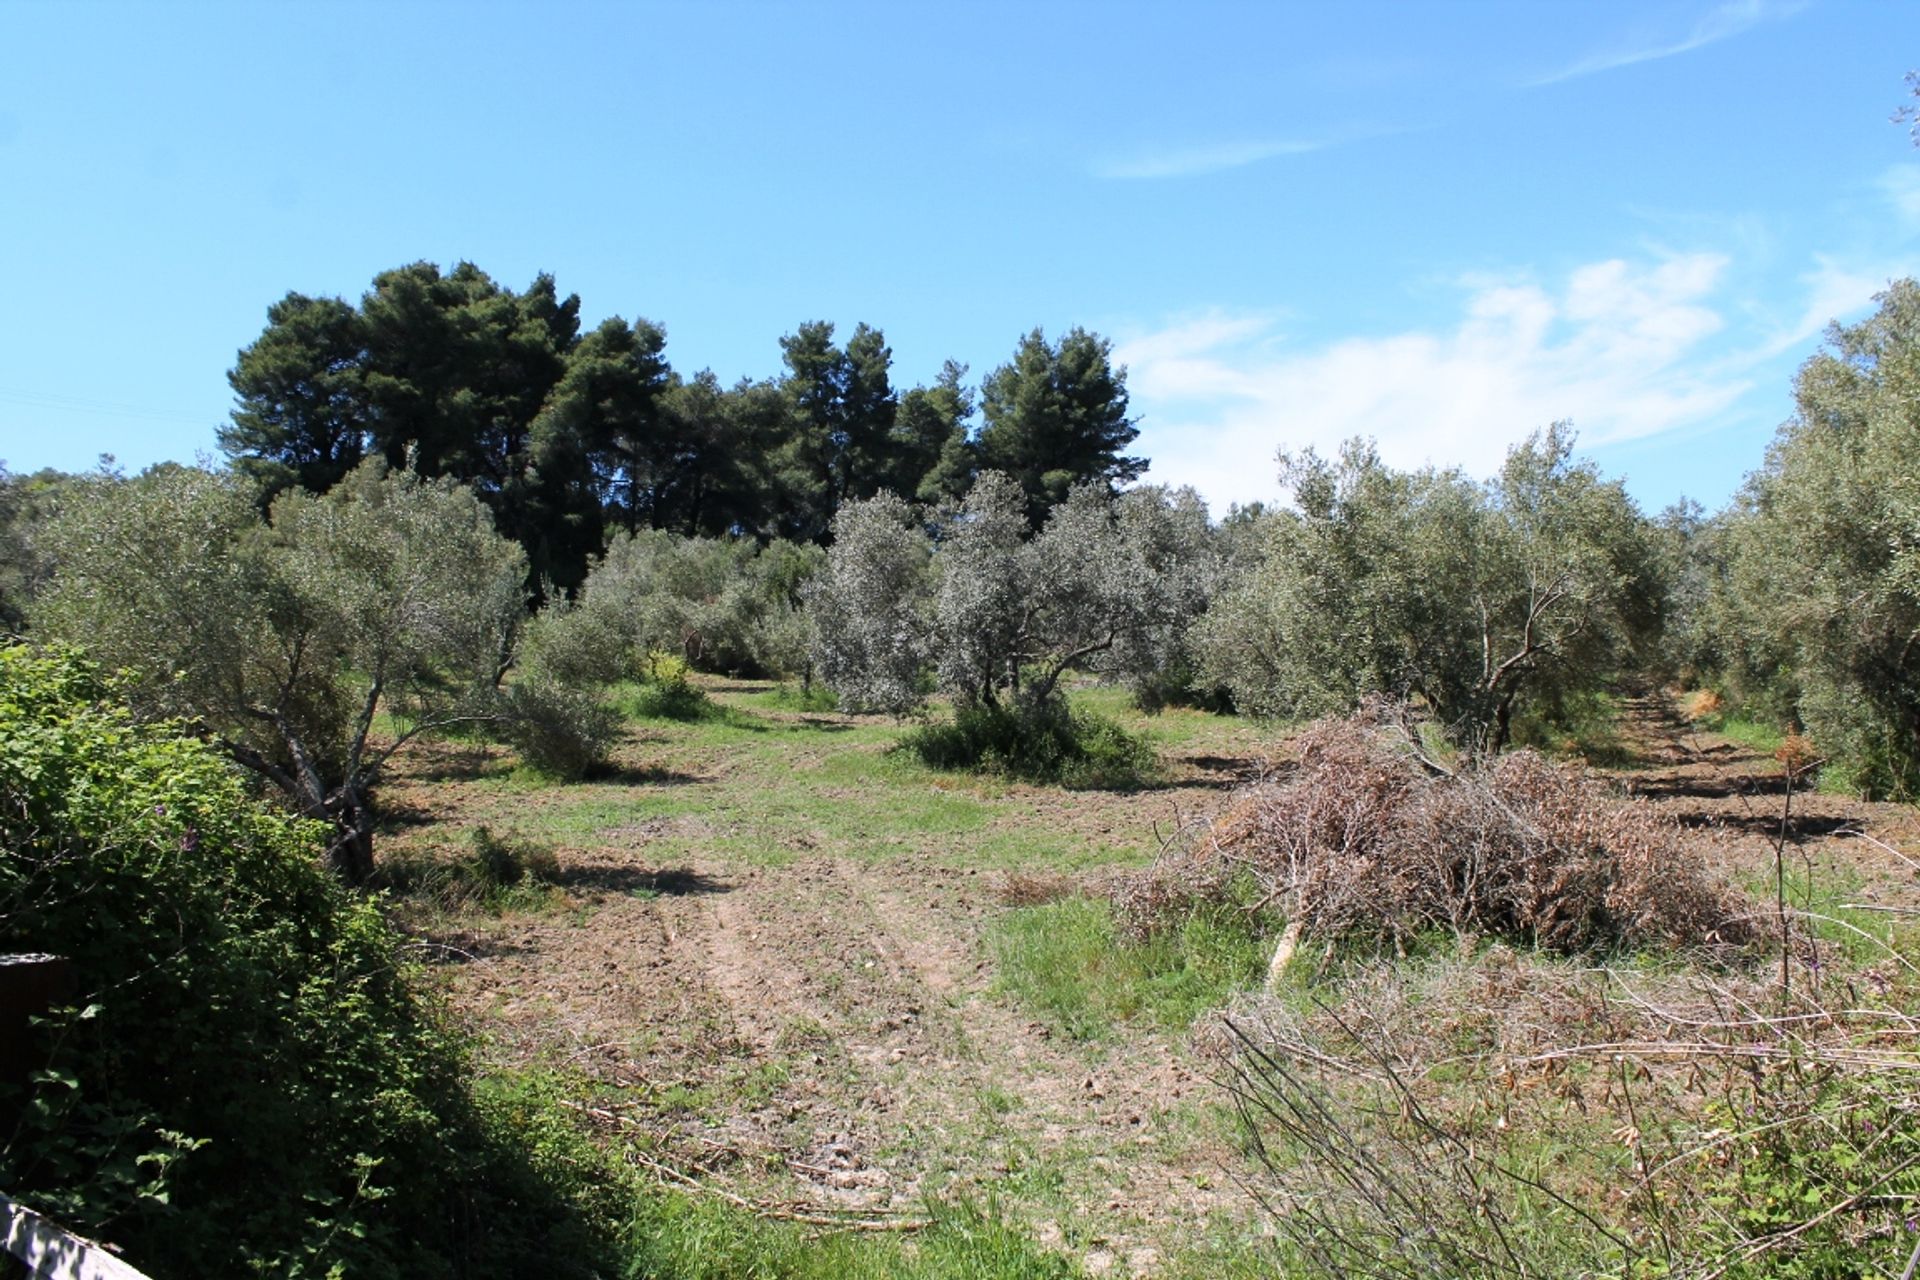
(567, 436)
(312, 632)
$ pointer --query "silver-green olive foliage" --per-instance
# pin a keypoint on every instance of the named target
(1001, 614)
(724, 604)
(390, 598)
(870, 607)
(1475, 599)
(1822, 595)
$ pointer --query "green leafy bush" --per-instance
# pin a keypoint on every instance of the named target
(245, 1084)
(565, 731)
(667, 692)
(1046, 743)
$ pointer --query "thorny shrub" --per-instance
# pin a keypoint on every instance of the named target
(1369, 836)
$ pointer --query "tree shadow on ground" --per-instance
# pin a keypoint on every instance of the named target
(457, 761)
(665, 882)
(1680, 786)
(462, 948)
(392, 817)
(1758, 823)
(639, 775)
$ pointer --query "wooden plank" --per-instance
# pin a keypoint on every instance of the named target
(56, 1254)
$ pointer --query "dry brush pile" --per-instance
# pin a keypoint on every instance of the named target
(1620, 1085)
(1370, 835)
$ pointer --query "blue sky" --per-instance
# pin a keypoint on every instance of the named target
(1439, 225)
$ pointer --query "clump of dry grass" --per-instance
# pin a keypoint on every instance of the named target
(1503, 1113)
(1033, 888)
(1371, 836)
(1702, 704)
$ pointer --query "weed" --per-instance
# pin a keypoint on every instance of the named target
(1065, 960)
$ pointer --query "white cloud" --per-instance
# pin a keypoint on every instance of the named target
(1720, 23)
(1901, 186)
(1183, 162)
(1834, 291)
(1617, 346)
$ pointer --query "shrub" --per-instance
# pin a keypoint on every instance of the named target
(1371, 836)
(1045, 743)
(1494, 1113)
(245, 1085)
(562, 730)
(667, 692)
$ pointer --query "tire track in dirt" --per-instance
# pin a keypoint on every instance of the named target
(838, 1018)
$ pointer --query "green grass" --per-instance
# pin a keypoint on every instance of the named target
(793, 697)
(1754, 735)
(1066, 961)
(1820, 895)
(1584, 726)
(748, 782)
(759, 788)
(667, 1232)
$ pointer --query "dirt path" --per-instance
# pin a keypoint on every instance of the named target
(825, 1028)
(1709, 782)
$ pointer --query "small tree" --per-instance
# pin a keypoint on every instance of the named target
(869, 607)
(1014, 614)
(1178, 563)
(287, 643)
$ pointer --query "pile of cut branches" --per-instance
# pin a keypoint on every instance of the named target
(1370, 835)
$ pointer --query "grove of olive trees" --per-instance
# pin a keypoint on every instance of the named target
(312, 647)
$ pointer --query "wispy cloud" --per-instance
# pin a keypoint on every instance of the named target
(1722, 22)
(1186, 162)
(1620, 347)
(1835, 290)
(1628, 349)
(1901, 187)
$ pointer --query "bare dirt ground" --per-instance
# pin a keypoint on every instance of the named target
(812, 1027)
(1711, 783)
(815, 1022)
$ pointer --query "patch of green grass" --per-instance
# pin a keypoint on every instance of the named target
(1583, 725)
(665, 1232)
(1066, 961)
(1819, 895)
(694, 1238)
(1754, 735)
(794, 697)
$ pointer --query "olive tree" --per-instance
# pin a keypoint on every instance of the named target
(389, 601)
(869, 607)
(1821, 598)
(1474, 599)
(1178, 562)
(1013, 614)
(722, 604)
